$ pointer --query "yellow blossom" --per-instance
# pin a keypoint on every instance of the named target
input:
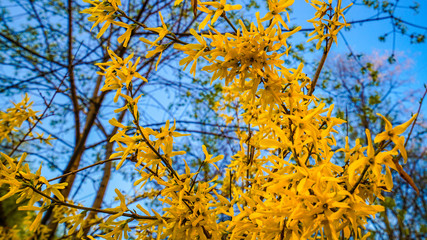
(392, 134)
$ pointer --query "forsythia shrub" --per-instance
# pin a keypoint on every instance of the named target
(283, 183)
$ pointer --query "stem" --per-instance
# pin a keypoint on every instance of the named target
(319, 68)
(193, 181)
(360, 179)
(418, 113)
(81, 169)
(135, 216)
(229, 22)
(73, 88)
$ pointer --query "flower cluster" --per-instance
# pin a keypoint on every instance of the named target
(30, 187)
(326, 21)
(119, 73)
(12, 119)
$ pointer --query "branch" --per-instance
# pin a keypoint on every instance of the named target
(319, 68)
(229, 22)
(418, 114)
(410, 24)
(70, 58)
(135, 216)
(84, 168)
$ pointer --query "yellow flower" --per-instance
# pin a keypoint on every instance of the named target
(392, 134)
(177, 2)
(209, 158)
(363, 162)
(166, 135)
(125, 37)
(374, 162)
(13, 118)
(221, 7)
(326, 21)
(276, 7)
(209, 13)
(100, 13)
(194, 51)
(159, 50)
(115, 3)
(162, 31)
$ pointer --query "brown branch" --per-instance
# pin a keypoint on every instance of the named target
(70, 58)
(105, 176)
(84, 168)
(224, 15)
(73, 163)
(416, 118)
(319, 68)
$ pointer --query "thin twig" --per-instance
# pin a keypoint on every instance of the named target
(418, 114)
(84, 168)
(362, 175)
(194, 180)
(229, 22)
